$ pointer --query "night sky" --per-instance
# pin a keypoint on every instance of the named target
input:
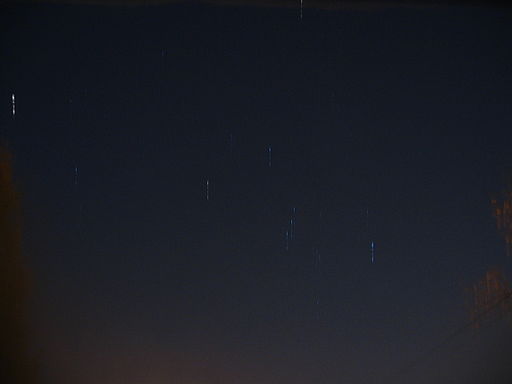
(201, 187)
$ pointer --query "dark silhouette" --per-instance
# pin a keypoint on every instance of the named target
(17, 366)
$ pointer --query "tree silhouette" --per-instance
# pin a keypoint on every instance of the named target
(15, 364)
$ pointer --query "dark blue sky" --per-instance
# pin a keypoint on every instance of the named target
(403, 113)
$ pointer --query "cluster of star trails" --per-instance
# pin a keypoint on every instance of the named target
(289, 230)
(288, 226)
